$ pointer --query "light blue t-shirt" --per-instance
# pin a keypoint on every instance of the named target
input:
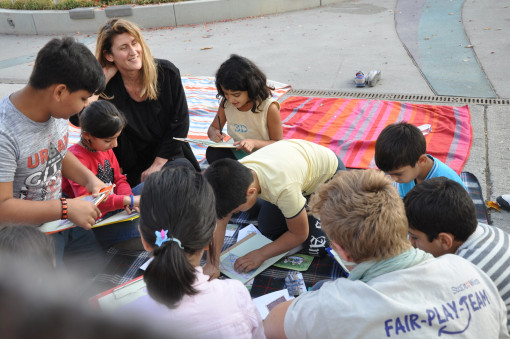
(439, 169)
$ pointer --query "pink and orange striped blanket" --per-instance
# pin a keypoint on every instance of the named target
(350, 127)
(347, 126)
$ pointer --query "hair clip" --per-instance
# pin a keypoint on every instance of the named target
(162, 237)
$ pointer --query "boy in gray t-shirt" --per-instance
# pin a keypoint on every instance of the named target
(33, 148)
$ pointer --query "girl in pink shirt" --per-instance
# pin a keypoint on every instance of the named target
(177, 221)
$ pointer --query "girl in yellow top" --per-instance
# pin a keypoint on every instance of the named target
(253, 115)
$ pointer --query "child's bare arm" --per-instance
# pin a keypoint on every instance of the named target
(26, 212)
(273, 324)
(210, 268)
(274, 122)
(215, 129)
(296, 235)
(73, 169)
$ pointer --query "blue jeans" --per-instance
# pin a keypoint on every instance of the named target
(78, 251)
(109, 235)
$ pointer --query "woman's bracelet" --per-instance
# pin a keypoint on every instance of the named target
(132, 201)
(63, 201)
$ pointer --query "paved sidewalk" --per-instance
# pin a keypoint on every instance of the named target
(322, 48)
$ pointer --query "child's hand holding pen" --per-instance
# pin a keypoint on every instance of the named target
(216, 134)
(220, 129)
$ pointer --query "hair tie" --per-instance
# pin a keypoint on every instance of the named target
(162, 237)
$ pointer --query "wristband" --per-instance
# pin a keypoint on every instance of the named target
(64, 208)
(132, 201)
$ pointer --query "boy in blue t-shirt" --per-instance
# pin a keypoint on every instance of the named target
(401, 152)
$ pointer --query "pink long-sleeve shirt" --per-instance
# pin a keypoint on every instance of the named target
(220, 309)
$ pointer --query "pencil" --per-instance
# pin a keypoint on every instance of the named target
(219, 126)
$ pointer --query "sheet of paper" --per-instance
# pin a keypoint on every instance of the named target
(55, 226)
(250, 243)
(243, 232)
(146, 264)
(268, 301)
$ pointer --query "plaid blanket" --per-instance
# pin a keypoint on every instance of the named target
(124, 265)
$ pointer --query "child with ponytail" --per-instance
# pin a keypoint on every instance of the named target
(177, 222)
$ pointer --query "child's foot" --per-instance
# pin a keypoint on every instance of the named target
(504, 201)
(359, 80)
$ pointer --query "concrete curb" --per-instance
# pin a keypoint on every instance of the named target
(88, 20)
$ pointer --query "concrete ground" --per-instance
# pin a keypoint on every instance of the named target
(322, 48)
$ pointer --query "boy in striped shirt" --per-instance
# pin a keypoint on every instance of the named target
(442, 219)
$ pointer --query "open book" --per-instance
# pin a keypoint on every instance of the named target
(209, 143)
(60, 225)
(250, 243)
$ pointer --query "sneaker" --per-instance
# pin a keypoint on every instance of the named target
(359, 80)
(373, 78)
(504, 201)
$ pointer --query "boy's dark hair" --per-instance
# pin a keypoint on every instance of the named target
(230, 180)
(28, 243)
(180, 201)
(240, 74)
(66, 61)
(102, 119)
(399, 145)
(441, 205)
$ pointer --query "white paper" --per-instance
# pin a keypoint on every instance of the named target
(228, 258)
(146, 264)
(243, 232)
(266, 302)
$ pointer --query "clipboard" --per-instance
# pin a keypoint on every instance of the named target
(209, 143)
(250, 243)
(120, 295)
(60, 225)
(116, 218)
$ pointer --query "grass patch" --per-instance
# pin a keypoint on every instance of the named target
(70, 4)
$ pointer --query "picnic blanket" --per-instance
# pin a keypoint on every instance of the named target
(202, 105)
(124, 265)
(350, 127)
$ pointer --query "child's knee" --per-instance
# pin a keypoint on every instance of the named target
(316, 242)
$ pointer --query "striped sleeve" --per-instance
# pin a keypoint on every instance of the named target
(489, 249)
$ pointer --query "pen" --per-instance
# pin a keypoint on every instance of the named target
(219, 127)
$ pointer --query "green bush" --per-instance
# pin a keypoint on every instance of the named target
(70, 4)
